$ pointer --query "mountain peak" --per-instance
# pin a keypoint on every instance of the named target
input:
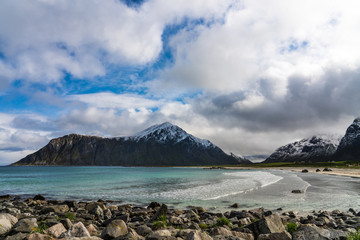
(168, 132)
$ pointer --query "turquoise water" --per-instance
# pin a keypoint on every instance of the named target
(181, 187)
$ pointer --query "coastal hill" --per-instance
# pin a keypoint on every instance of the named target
(321, 149)
(160, 145)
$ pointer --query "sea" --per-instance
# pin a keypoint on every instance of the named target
(179, 187)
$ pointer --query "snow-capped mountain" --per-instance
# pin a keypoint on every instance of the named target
(160, 145)
(349, 147)
(314, 149)
(167, 132)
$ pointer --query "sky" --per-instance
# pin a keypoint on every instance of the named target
(248, 75)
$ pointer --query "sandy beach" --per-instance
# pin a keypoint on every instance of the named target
(355, 173)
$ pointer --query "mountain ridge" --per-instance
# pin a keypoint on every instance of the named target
(160, 145)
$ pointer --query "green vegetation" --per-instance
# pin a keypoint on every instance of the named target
(203, 226)
(161, 222)
(223, 221)
(291, 227)
(354, 236)
(70, 216)
(42, 226)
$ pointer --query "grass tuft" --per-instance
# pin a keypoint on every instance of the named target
(354, 236)
(291, 227)
(223, 221)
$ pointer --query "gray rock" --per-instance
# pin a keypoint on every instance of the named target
(5, 226)
(161, 212)
(313, 232)
(198, 235)
(176, 220)
(56, 230)
(18, 236)
(39, 236)
(160, 234)
(275, 236)
(55, 208)
(67, 223)
(132, 235)
(143, 230)
(269, 224)
(114, 229)
(13, 220)
(297, 191)
(77, 230)
(98, 212)
(26, 225)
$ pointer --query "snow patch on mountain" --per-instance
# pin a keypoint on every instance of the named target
(168, 132)
(314, 147)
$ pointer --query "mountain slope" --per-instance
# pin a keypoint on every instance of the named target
(349, 147)
(314, 149)
(160, 145)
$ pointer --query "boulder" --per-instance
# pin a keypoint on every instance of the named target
(327, 170)
(175, 220)
(198, 235)
(154, 205)
(56, 230)
(5, 226)
(55, 208)
(18, 236)
(269, 224)
(67, 223)
(132, 235)
(275, 236)
(160, 234)
(13, 220)
(235, 205)
(26, 225)
(161, 212)
(39, 236)
(114, 229)
(77, 230)
(98, 212)
(305, 171)
(297, 191)
(39, 197)
(315, 233)
(143, 230)
(92, 230)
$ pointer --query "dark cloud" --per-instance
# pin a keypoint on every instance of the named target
(305, 104)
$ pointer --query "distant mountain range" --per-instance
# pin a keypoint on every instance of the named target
(322, 148)
(160, 145)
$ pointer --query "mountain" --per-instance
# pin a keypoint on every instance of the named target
(349, 147)
(160, 145)
(314, 149)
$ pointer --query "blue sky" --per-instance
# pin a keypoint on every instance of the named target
(249, 76)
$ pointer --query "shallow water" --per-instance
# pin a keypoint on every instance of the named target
(180, 187)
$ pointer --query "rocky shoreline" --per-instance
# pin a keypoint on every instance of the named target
(40, 219)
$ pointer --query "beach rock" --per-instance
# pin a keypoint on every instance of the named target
(66, 223)
(176, 220)
(5, 197)
(18, 236)
(92, 229)
(56, 230)
(132, 235)
(143, 230)
(77, 230)
(154, 205)
(315, 233)
(305, 171)
(98, 212)
(327, 170)
(39, 197)
(55, 208)
(235, 205)
(161, 212)
(26, 225)
(269, 224)
(5, 226)
(198, 235)
(39, 236)
(220, 231)
(297, 191)
(13, 220)
(318, 170)
(115, 229)
(160, 234)
(275, 236)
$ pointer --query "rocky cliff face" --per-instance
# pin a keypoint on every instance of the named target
(159, 145)
(349, 147)
(314, 149)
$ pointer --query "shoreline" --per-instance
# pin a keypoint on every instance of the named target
(38, 218)
(345, 172)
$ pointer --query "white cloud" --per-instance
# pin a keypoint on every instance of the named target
(116, 101)
(42, 39)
